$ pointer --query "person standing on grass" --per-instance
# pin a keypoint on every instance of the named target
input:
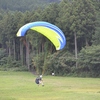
(39, 80)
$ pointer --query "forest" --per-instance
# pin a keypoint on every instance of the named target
(23, 5)
(78, 19)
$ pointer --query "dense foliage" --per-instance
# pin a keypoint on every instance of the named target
(23, 5)
(78, 19)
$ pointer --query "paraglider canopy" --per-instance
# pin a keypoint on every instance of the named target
(52, 32)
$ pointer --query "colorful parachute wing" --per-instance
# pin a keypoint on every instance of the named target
(52, 32)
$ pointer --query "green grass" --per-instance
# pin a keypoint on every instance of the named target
(21, 86)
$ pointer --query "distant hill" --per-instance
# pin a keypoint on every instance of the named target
(23, 5)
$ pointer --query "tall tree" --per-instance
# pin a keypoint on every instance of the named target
(95, 37)
(80, 18)
(50, 14)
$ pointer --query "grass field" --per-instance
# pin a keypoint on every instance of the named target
(21, 86)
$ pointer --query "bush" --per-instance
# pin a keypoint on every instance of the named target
(2, 53)
(59, 63)
(89, 59)
(7, 63)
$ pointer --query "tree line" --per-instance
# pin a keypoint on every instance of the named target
(23, 5)
(80, 22)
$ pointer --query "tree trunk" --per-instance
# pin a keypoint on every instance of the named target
(75, 48)
(87, 44)
(14, 49)
(21, 53)
(27, 54)
(9, 48)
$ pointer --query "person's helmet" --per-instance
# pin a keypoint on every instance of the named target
(41, 76)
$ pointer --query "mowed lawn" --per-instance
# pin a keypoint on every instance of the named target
(21, 86)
